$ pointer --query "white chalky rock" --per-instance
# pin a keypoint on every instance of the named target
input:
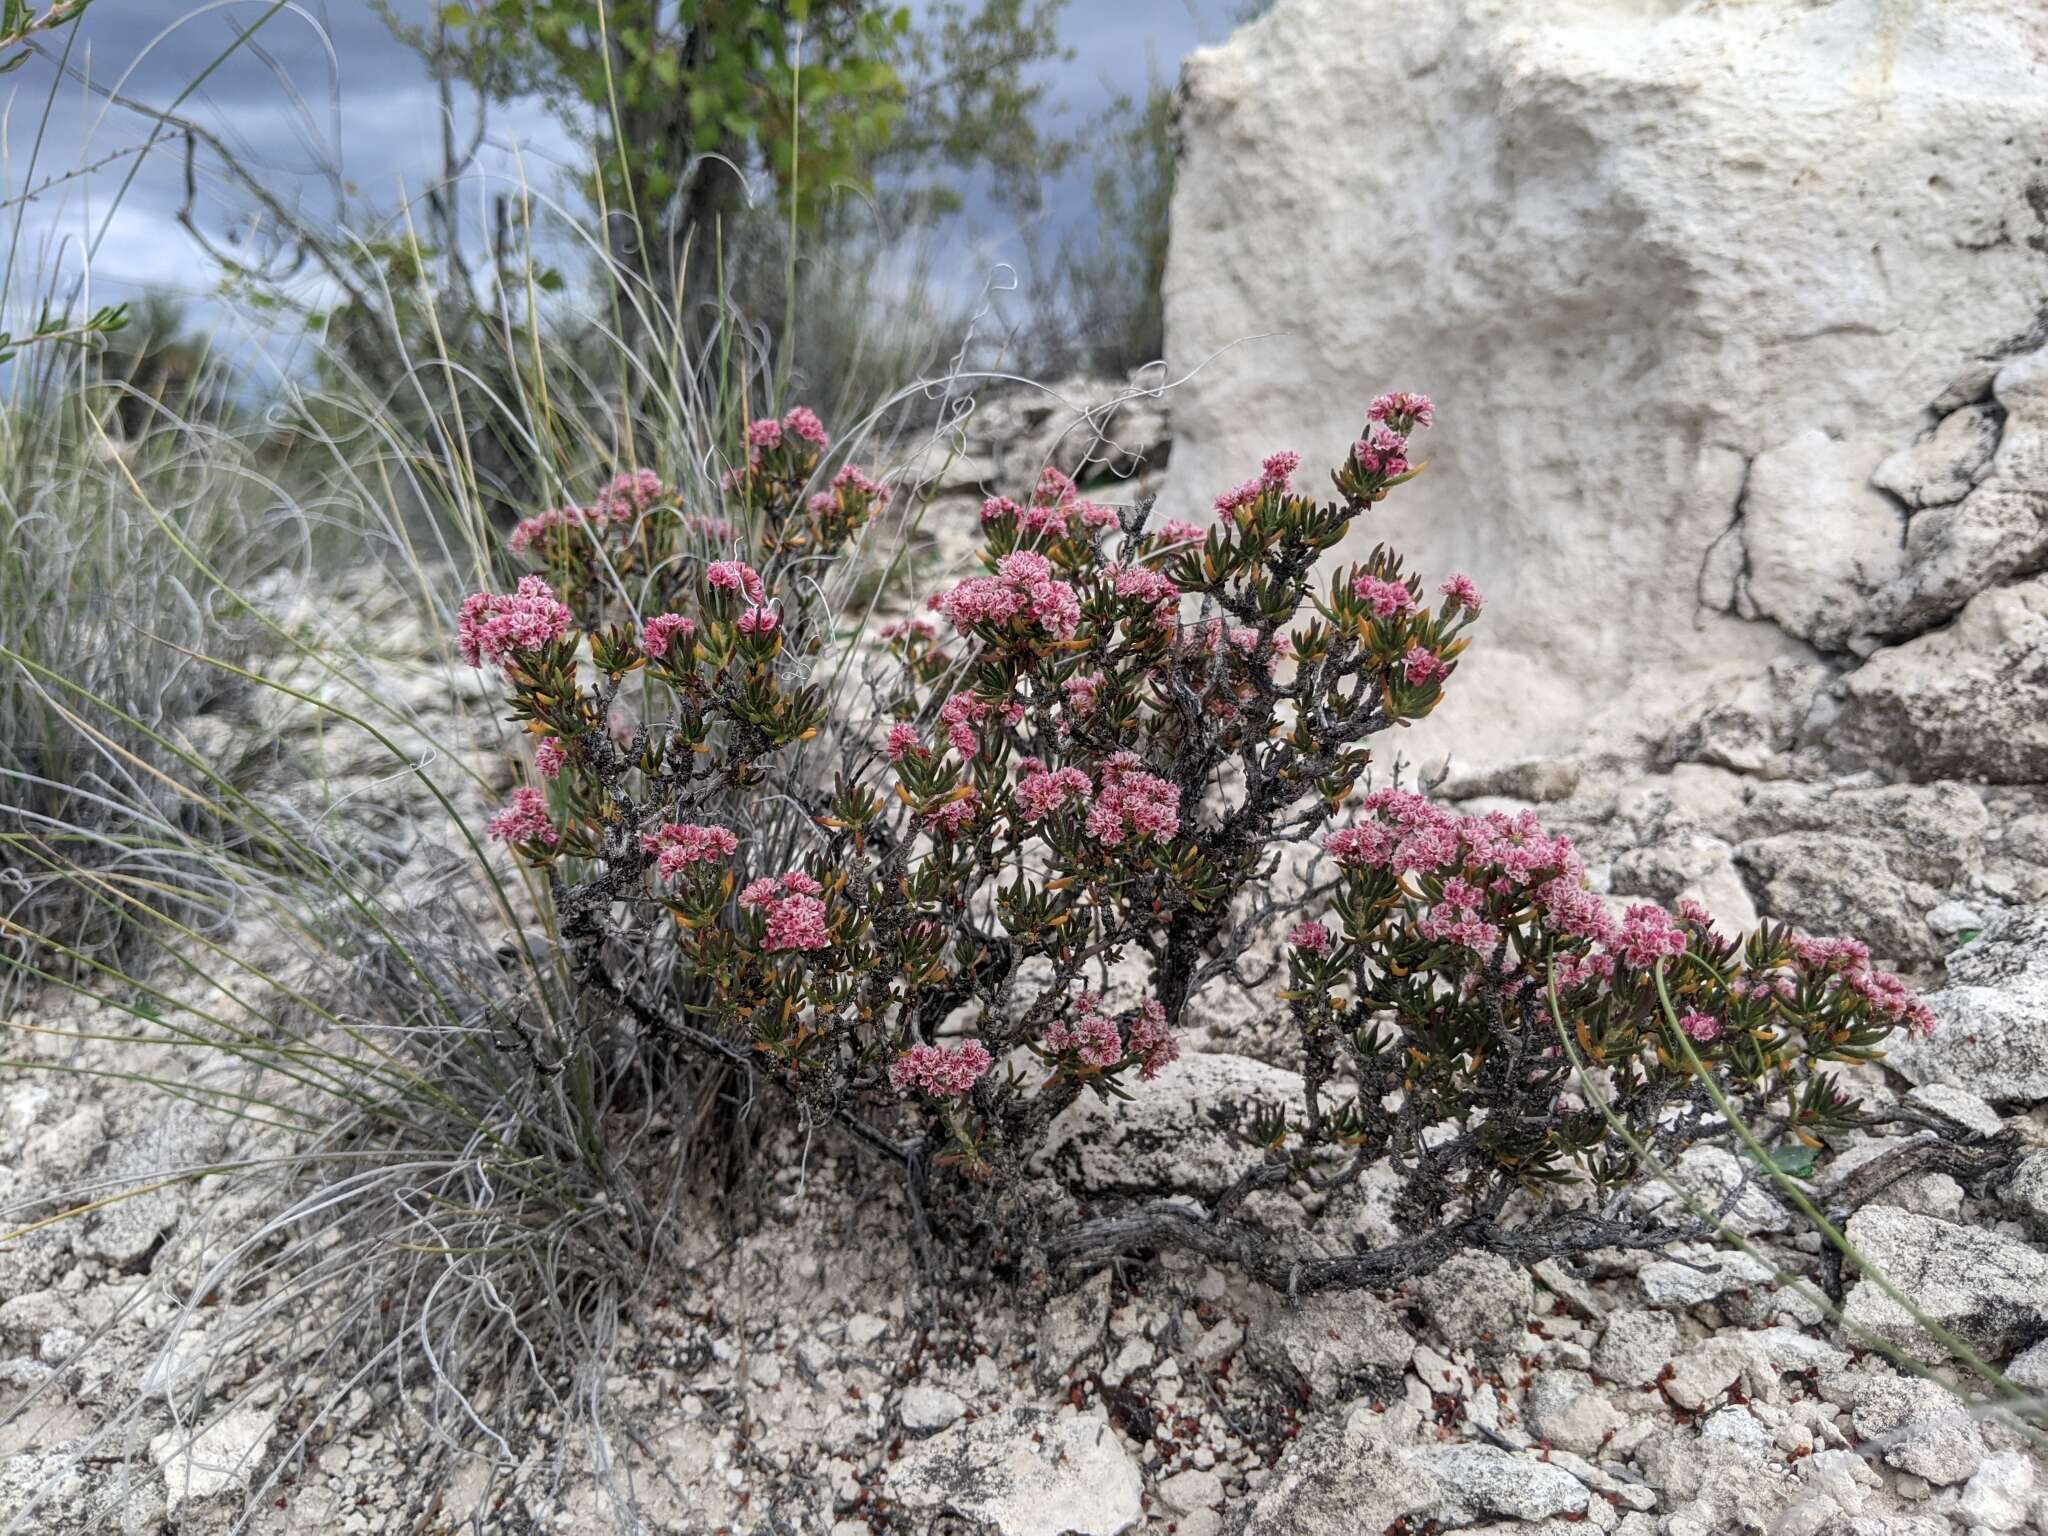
(1989, 1290)
(1991, 1031)
(2000, 1491)
(1630, 249)
(221, 1457)
(926, 1409)
(1024, 1472)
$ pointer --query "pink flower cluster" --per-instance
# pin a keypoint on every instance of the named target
(795, 915)
(736, 576)
(525, 820)
(1702, 1028)
(492, 627)
(1886, 993)
(954, 817)
(802, 422)
(662, 631)
(1149, 1039)
(903, 740)
(1422, 665)
(678, 845)
(1082, 690)
(1022, 586)
(1384, 448)
(631, 493)
(548, 758)
(532, 530)
(1458, 919)
(1042, 790)
(1150, 587)
(856, 481)
(1090, 1035)
(1648, 934)
(1310, 938)
(1403, 410)
(626, 495)
(1275, 475)
(766, 434)
(909, 629)
(941, 1073)
(1132, 803)
(1460, 590)
(1387, 599)
(960, 715)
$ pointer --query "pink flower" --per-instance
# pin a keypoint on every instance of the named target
(980, 600)
(493, 628)
(797, 922)
(1082, 690)
(795, 915)
(1648, 935)
(801, 421)
(909, 629)
(1044, 522)
(1178, 530)
(940, 1073)
(661, 631)
(1892, 998)
(631, 493)
(1578, 970)
(1311, 938)
(1149, 1039)
(955, 816)
(1094, 515)
(1460, 590)
(1091, 1036)
(527, 533)
(1387, 599)
(759, 621)
(960, 714)
(1232, 501)
(903, 738)
(1373, 462)
(1403, 410)
(857, 480)
(548, 758)
(1147, 586)
(678, 845)
(1453, 921)
(1279, 469)
(1423, 666)
(1575, 910)
(1132, 804)
(1053, 486)
(525, 820)
(1024, 584)
(764, 433)
(736, 576)
(1701, 1027)
(1384, 440)
(1042, 791)
(999, 509)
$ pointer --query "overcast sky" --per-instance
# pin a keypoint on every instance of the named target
(324, 83)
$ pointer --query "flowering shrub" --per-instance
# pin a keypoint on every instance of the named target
(1089, 753)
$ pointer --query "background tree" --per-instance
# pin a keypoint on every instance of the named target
(683, 103)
